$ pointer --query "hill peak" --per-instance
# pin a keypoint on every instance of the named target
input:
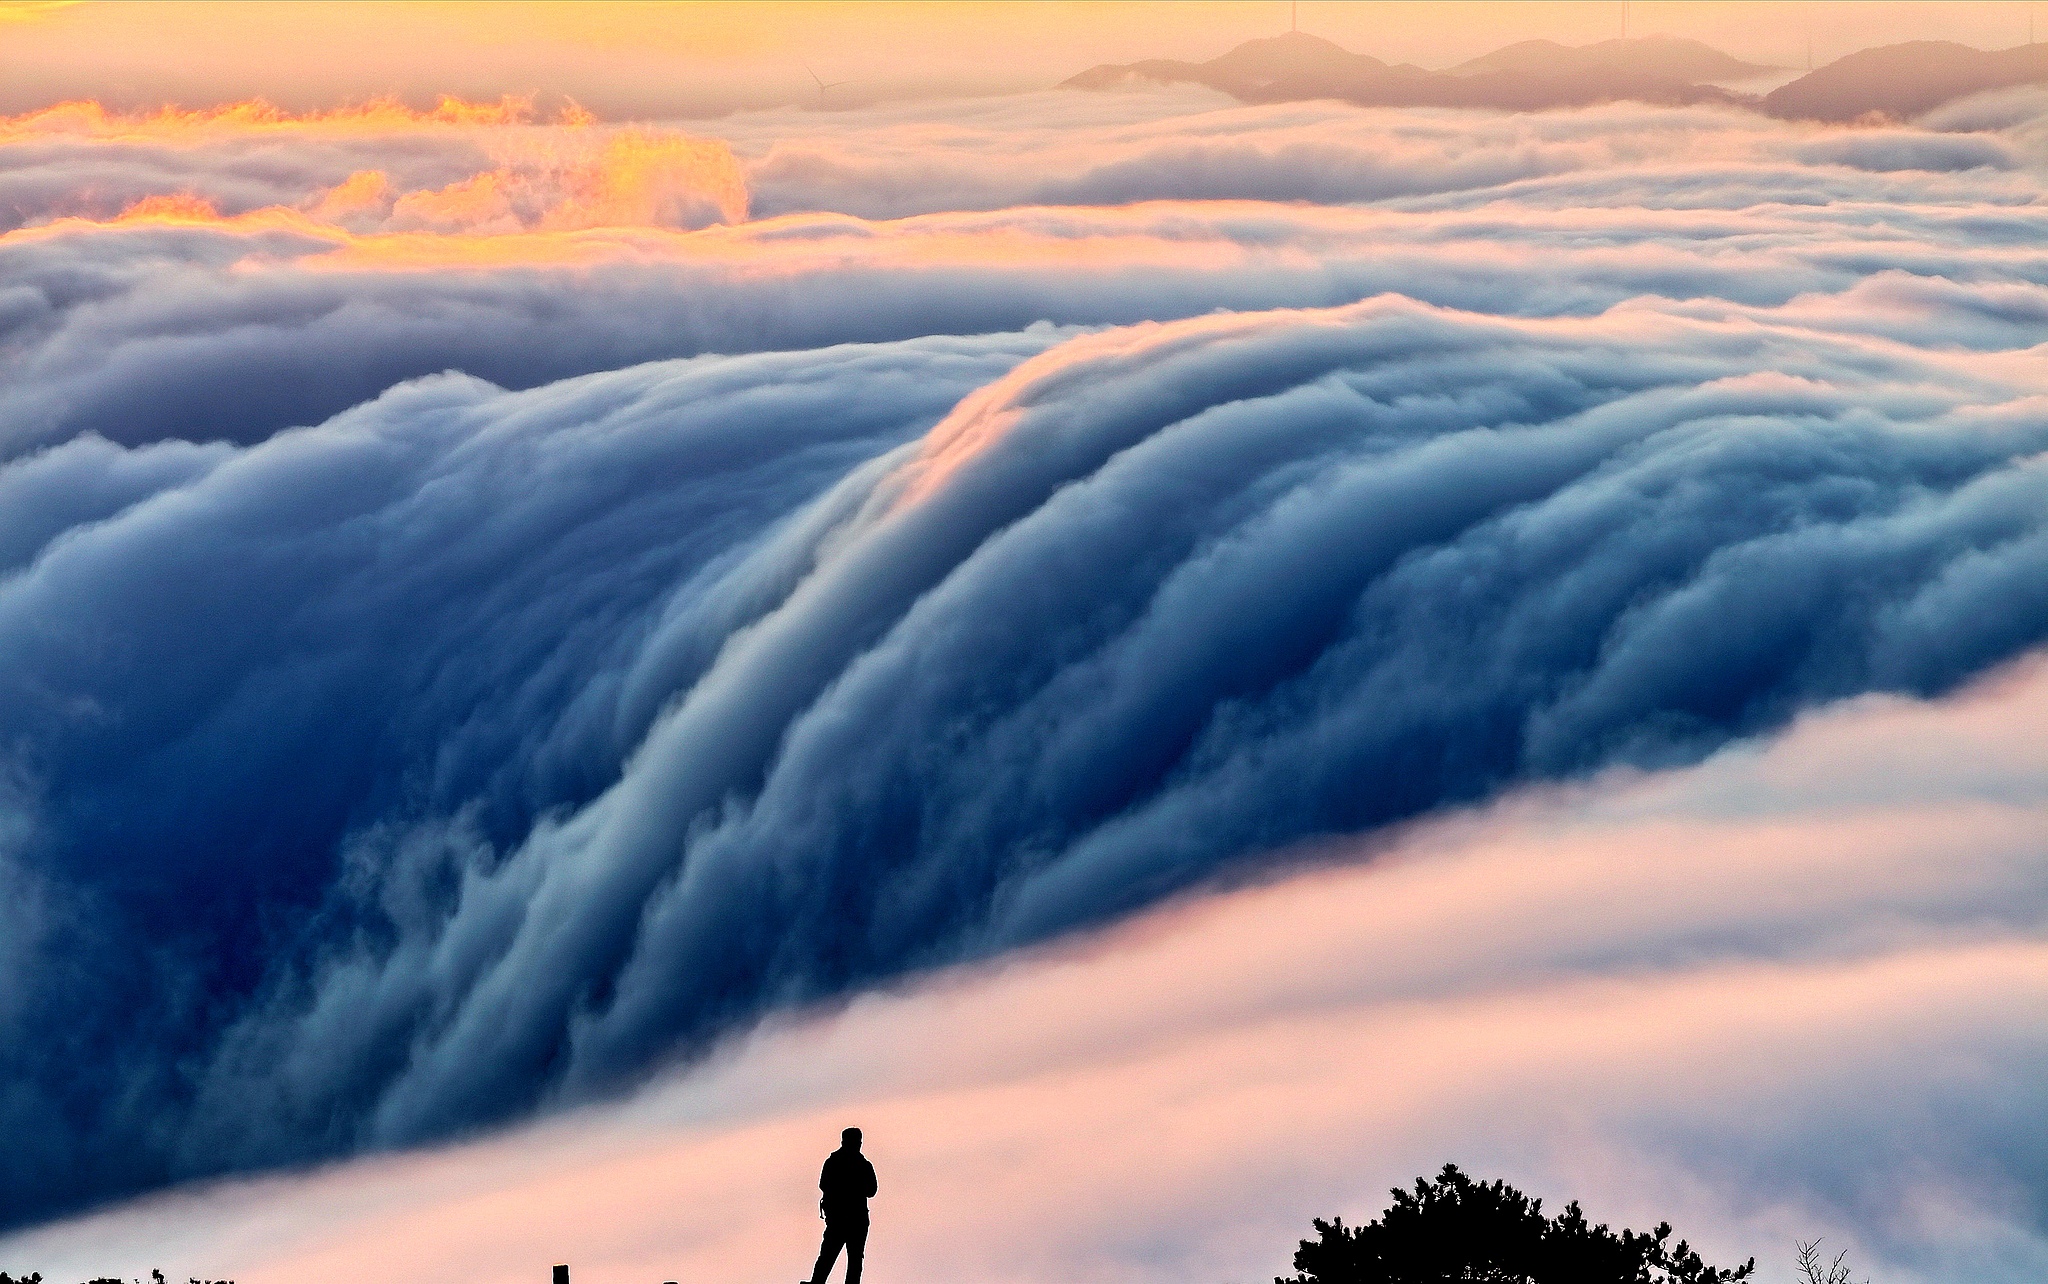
(1672, 57)
(1293, 53)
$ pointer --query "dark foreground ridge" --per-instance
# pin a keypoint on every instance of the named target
(1893, 82)
(1447, 1230)
(156, 1277)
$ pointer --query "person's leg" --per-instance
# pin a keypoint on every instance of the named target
(856, 1249)
(828, 1253)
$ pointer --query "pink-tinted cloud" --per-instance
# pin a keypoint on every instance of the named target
(462, 168)
(625, 708)
(1751, 995)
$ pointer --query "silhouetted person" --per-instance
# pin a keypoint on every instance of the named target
(843, 1189)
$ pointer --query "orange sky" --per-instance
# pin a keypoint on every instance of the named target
(662, 59)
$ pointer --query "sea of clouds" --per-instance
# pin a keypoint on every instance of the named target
(494, 609)
(1779, 995)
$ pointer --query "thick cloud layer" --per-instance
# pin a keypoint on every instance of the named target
(1775, 996)
(464, 167)
(478, 749)
(167, 324)
(455, 669)
(1085, 148)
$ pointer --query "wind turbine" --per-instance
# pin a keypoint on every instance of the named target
(822, 86)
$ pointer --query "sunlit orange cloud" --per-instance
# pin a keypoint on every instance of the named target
(175, 209)
(375, 116)
(1204, 236)
(1786, 947)
(363, 192)
(353, 228)
(633, 178)
(927, 241)
(642, 176)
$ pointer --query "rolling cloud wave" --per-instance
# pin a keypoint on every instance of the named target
(1672, 995)
(515, 740)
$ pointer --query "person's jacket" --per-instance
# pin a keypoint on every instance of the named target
(845, 1184)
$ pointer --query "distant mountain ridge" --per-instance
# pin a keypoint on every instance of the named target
(1902, 81)
(1894, 82)
(1669, 57)
(1528, 76)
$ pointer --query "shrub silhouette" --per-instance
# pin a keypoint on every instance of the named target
(1457, 1231)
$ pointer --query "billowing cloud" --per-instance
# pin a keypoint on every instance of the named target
(1775, 996)
(299, 321)
(471, 634)
(167, 321)
(462, 167)
(1081, 148)
(519, 739)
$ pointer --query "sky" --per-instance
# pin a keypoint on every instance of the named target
(574, 623)
(665, 59)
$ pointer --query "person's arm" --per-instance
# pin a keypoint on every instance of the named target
(871, 1180)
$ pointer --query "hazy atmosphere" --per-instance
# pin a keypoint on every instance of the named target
(1184, 611)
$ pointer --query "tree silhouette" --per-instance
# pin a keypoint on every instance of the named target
(1457, 1231)
(1813, 1271)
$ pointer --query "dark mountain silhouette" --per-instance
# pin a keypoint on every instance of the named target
(1902, 81)
(1526, 77)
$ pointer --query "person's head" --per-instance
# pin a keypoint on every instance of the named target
(850, 1139)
